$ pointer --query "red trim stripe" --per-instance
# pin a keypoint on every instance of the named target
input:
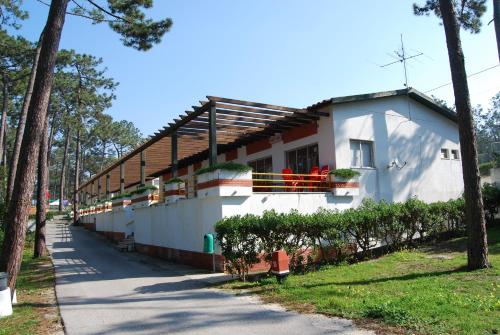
(174, 192)
(345, 184)
(225, 182)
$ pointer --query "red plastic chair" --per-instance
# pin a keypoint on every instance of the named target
(325, 170)
(289, 183)
(314, 176)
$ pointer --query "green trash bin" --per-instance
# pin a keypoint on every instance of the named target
(208, 243)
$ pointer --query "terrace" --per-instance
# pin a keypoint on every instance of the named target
(218, 126)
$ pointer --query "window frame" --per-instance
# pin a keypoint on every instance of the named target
(455, 157)
(447, 155)
(372, 153)
(270, 157)
(296, 149)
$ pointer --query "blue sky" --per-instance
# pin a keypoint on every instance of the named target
(291, 53)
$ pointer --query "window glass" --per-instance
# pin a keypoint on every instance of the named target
(361, 153)
(264, 165)
(302, 160)
(454, 154)
(445, 154)
(366, 151)
(355, 153)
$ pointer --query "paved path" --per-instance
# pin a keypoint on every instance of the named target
(103, 291)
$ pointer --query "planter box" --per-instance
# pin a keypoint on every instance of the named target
(99, 208)
(108, 206)
(120, 203)
(224, 183)
(345, 187)
(144, 199)
(174, 192)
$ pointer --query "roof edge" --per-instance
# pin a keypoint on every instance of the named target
(410, 92)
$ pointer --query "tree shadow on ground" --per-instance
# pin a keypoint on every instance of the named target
(411, 276)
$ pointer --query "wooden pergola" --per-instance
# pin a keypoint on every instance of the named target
(215, 127)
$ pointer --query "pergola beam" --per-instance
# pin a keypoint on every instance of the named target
(212, 134)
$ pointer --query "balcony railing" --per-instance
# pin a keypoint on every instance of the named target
(290, 182)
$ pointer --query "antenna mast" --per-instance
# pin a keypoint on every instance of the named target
(402, 58)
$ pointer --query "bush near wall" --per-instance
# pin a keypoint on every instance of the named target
(334, 235)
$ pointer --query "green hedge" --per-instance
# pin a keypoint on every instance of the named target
(397, 225)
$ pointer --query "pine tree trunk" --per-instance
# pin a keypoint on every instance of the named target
(18, 210)
(22, 123)
(41, 199)
(62, 179)
(477, 247)
(76, 217)
(51, 139)
(496, 19)
(5, 107)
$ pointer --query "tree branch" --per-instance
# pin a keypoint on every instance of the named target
(79, 15)
(108, 12)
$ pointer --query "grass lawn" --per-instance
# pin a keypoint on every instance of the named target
(426, 290)
(36, 311)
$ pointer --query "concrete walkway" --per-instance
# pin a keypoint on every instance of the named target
(103, 291)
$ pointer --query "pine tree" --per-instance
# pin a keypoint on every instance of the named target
(465, 14)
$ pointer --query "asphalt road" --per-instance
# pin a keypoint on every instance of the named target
(103, 291)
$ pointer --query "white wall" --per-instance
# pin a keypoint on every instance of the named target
(416, 141)
(183, 224)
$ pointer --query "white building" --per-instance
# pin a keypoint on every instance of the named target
(401, 142)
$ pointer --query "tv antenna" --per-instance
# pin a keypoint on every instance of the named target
(402, 58)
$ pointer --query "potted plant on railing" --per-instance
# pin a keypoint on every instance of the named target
(144, 196)
(99, 207)
(345, 182)
(121, 200)
(225, 180)
(175, 189)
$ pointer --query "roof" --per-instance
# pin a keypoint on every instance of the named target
(411, 92)
(237, 123)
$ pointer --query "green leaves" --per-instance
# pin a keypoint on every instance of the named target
(143, 189)
(345, 173)
(11, 12)
(230, 166)
(121, 196)
(468, 12)
(245, 240)
(127, 18)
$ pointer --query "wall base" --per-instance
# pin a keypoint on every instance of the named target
(192, 258)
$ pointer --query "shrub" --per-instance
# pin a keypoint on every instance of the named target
(484, 168)
(231, 166)
(238, 243)
(244, 238)
(330, 228)
(174, 181)
(414, 216)
(121, 196)
(491, 201)
(344, 173)
(143, 189)
(363, 224)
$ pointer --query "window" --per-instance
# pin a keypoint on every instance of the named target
(301, 160)
(445, 154)
(263, 165)
(454, 154)
(361, 153)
